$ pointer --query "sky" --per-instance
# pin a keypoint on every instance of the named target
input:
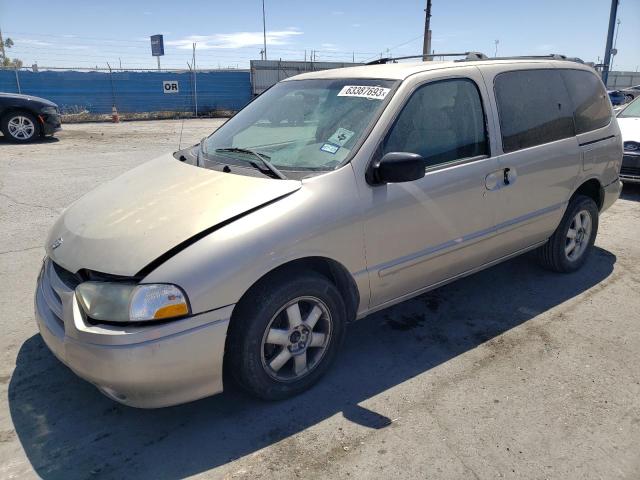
(72, 33)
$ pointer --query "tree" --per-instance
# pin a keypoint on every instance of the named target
(4, 59)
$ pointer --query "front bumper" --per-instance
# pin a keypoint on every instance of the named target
(50, 123)
(141, 366)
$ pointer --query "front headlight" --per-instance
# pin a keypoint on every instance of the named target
(122, 302)
(50, 110)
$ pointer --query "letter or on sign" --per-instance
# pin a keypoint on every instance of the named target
(170, 86)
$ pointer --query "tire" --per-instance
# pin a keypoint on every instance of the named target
(20, 127)
(273, 371)
(557, 254)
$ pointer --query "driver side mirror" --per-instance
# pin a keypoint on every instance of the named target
(396, 167)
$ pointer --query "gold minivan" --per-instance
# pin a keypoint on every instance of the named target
(332, 195)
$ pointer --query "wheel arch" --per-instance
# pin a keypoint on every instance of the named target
(593, 189)
(14, 109)
(333, 270)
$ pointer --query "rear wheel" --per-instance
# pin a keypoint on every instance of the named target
(20, 127)
(285, 334)
(571, 243)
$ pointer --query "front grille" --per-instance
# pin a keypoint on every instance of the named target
(632, 147)
(630, 171)
(54, 283)
(70, 279)
(630, 166)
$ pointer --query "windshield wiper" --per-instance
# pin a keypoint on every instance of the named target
(263, 158)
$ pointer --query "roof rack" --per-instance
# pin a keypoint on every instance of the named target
(551, 56)
(475, 56)
(467, 55)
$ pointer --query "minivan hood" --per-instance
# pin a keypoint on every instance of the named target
(125, 224)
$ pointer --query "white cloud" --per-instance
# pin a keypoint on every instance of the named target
(234, 40)
(329, 46)
(31, 41)
(355, 25)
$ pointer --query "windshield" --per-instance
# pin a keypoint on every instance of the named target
(632, 110)
(301, 125)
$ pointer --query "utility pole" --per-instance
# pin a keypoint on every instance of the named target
(495, 54)
(607, 52)
(426, 43)
(195, 85)
(264, 31)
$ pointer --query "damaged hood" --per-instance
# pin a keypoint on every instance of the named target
(127, 223)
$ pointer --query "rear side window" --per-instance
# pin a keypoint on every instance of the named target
(592, 110)
(534, 108)
(443, 121)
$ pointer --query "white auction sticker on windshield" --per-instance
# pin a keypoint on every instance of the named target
(332, 149)
(341, 136)
(372, 93)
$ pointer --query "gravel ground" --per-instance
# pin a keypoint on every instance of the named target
(510, 373)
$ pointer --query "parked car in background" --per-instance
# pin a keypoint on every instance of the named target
(629, 122)
(255, 250)
(616, 97)
(631, 93)
(24, 118)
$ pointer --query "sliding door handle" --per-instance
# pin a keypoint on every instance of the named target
(506, 176)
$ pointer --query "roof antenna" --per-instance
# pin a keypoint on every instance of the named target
(182, 123)
(180, 140)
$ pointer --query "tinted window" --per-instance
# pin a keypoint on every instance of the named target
(442, 121)
(534, 108)
(592, 109)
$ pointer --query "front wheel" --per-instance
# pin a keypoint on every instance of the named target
(570, 245)
(285, 334)
(20, 127)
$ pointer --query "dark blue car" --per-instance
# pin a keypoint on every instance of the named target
(616, 97)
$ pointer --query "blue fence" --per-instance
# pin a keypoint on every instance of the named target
(96, 92)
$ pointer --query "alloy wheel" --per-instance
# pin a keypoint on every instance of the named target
(296, 339)
(21, 128)
(578, 235)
